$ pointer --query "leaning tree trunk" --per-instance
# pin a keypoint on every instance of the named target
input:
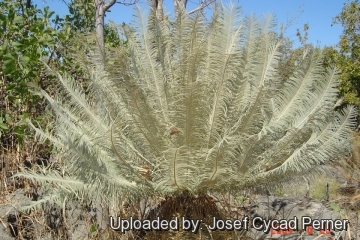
(101, 7)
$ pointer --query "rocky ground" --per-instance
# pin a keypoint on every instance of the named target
(78, 222)
(76, 225)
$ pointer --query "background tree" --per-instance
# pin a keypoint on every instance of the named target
(291, 57)
(27, 39)
(179, 5)
(348, 59)
(101, 7)
(30, 36)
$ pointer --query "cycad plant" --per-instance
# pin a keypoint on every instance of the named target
(193, 105)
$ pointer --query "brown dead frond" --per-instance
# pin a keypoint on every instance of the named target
(174, 130)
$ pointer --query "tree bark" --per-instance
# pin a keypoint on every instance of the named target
(101, 7)
(28, 4)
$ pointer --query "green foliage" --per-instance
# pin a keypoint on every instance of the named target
(348, 59)
(240, 200)
(291, 60)
(82, 15)
(93, 228)
(26, 38)
(335, 207)
(29, 37)
(279, 192)
(112, 36)
(196, 105)
(318, 189)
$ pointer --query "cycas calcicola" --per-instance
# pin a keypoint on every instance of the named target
(196, 105)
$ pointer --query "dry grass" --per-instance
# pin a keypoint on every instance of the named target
(35, 224)
(351, 171)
